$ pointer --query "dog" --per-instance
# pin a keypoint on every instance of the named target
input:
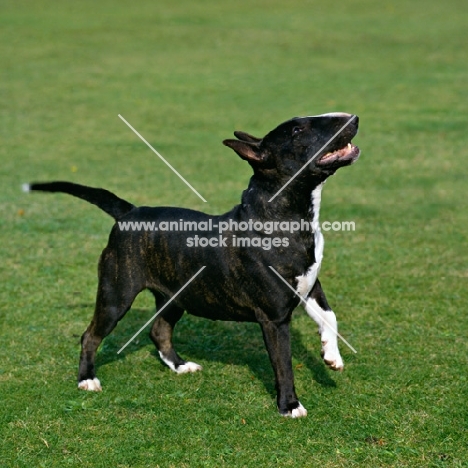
(290, 166)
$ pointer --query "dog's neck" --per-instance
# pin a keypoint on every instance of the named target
(296, 201)
(316, 199)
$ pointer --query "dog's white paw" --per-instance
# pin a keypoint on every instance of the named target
(299, 412)
(92, 385)
(331, 356)
(188, 367)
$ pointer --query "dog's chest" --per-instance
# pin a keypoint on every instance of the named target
(306, 281)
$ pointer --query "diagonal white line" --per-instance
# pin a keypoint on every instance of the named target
(161, 309)
(305, 303)
(162, 159)
(312, 158)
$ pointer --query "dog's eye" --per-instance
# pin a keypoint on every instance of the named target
(296, 130)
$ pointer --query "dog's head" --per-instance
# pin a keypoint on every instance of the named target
(311, 147)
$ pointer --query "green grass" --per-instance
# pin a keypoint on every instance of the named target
(186, 74)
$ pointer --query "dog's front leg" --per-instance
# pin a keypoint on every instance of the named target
(318, 309)
(277, 341)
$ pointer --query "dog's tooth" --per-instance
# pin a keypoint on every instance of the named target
(349, 146)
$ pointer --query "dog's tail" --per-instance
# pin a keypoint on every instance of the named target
(107, 201)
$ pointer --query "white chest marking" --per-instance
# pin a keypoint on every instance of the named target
(306, 281)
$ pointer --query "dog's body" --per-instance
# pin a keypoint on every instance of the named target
(237, 283)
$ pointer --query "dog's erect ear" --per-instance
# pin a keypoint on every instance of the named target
(246, 150)
(247, 137)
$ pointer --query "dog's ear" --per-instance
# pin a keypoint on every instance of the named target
(247, 137)
(246, 150)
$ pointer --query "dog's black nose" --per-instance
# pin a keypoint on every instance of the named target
(356, 120)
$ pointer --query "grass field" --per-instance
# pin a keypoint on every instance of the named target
(186, 74)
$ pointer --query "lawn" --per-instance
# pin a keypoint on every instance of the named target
(185, 75)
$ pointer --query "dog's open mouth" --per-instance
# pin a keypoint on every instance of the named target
(340, 157)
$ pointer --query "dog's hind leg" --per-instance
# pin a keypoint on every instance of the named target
(117, 290)
(318, 309)
(161, 335)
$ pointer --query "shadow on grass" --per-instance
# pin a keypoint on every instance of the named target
(234, 343)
